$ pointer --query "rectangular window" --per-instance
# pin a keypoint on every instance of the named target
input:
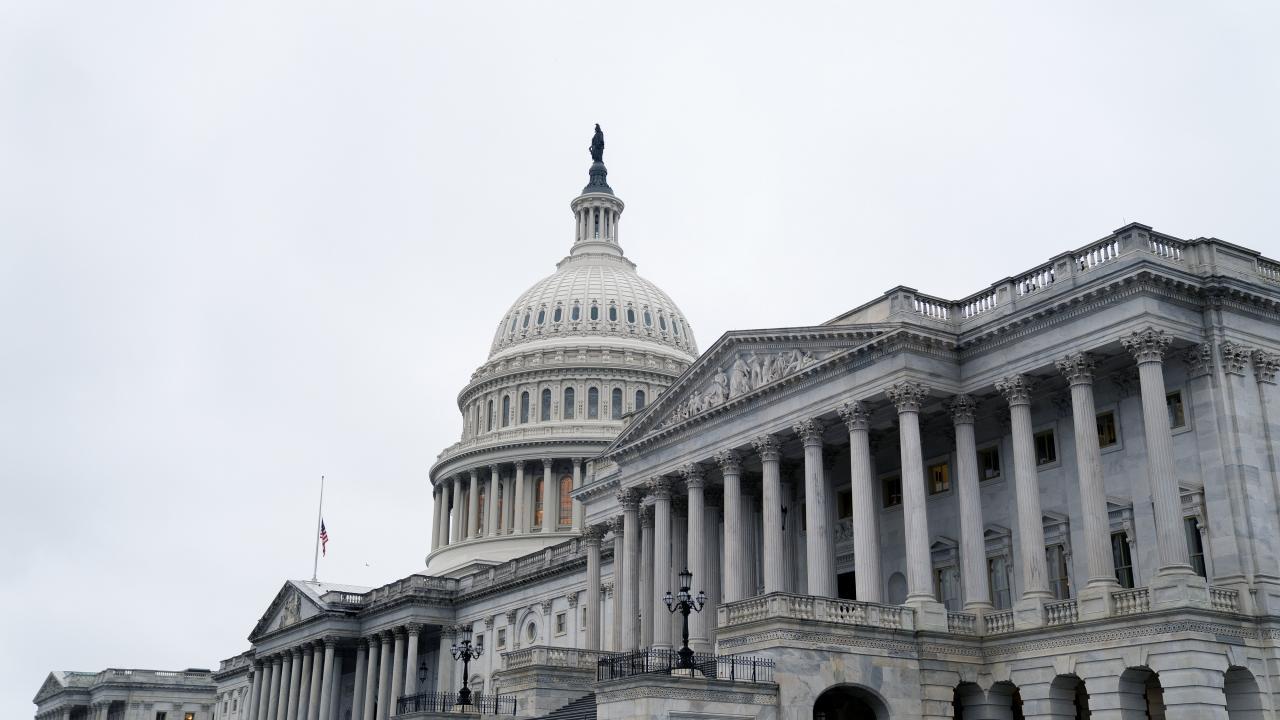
(844, 504)
(1194, 546)
(502, 638)
(945, 588)
(1059, 578)
(989, 462)
(939, 478)
(160, 715)
(1107, 435)
(1122, 559)
(479, 640)
(998, 578)
(583, 624)
(562, 623)
(891, 489)
(189, 716)
(1046, 448)
(1177, 412)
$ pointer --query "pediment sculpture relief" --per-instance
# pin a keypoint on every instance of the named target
(749, 371)
(292, 610)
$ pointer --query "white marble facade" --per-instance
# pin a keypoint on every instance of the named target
(1055, 498)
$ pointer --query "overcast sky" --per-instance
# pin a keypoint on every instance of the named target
(245, 244)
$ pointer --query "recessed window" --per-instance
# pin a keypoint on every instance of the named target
(479, 640)
(615, 404)
(595, 312)
(557, 315)
(1059, 579)
(1046, 448)
(593, 404)
(613, 313)
(648, 319)
(566, 500)
(891, 490)
(989, 462)
(576, 313)
(1177, 413)
(189, 716)
(524, 407)
(512, 327)
(946, 587)
(539, 489)
(525, 322)
(502, 638)
(675, 325)
(939, 478)
(640, 400)
(998, 579)
(662, 321)
(631, 316)
(568, 409)
(1121, 558)
(545, 411)
(542, 316)
(161, 715)
(1107, 435)
(562, 623)
(490, 416)
(531, 632)
(844, 504)
(506, 410)
(1195, 547)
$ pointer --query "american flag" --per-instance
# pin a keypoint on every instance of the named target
(324, 538)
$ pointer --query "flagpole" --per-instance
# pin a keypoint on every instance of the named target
(315, 567)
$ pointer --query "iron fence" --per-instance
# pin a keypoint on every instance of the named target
(443, 702)
(664, 662)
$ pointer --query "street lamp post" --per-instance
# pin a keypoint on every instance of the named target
(685, 603)
(463, 651)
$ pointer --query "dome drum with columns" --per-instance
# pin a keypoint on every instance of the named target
(571, 360)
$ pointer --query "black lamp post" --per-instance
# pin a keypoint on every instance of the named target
(685, 603)
(463, 651)
(422, 676)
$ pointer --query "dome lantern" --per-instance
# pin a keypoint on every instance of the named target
(596, 211)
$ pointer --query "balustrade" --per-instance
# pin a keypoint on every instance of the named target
(547, 656)
(1064, 612)
(933, 307)
(1269, 269)
(962, 623)
(1097, 254)
(1034, 281)
(1131, 602)
(999, 622)
(1224, 599)
(977, 304)
(808, 607)
(1165, 248)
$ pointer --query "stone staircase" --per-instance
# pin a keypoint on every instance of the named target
(584, 708)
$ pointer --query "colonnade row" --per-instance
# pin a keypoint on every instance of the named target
(93, 711)
(1148, 349)
(479, 502)
(304, 682)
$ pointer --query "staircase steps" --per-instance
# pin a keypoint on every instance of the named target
(584, 708)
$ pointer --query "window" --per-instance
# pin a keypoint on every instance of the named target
(1195, 548)
(989, 462)
(639, 400)
(567, 410)
(490, 414)
(506, 410)
(502, 638)
(891, 489)
(531, 631)
(595, 312)
(542, 316)
(537, 502)
(562, 624)
(161, 715)
(939, 478)
(481, 506)
(1121, 558)
(998, 579)
(545, 413)
(648, 319)
(566, 502)
(615, 404)
(1177, 413)
(844, 504)
(1107, 435)
(945, 587)
(525, 323)
(631, 316)
(613, 313)
(512, 328)
(583, 625)
(593, 403)
(1056, 562)
(479, 640)
(576, 313)
(189, 716)
(1046, 448)
(557, 315)
(662, 321)
(524, 407)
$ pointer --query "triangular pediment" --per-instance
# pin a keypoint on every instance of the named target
(290, 606)
(743, 366)
(52, 686)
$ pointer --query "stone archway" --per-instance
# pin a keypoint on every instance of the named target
(849, 702)
(1068, 698)
(1001, 702)
(1244, 698)
(1141, 696)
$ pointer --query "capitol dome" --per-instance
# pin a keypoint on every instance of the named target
(571, 360)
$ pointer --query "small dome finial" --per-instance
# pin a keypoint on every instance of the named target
(599, 174)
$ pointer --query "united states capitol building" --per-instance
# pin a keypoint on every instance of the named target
(1053, 498)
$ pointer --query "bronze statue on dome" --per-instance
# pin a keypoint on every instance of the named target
(597, 145)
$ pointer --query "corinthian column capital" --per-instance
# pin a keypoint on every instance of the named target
(660, 487)
(1016, 389)
(855, 416)
(729, 461)
(962, 409)
(1265, 365)
(629, 499)
(1147, 345)
(810, 431)
(1234, 357)
(693, 477)
(907, 395)
(767, 447)
(1077, 368)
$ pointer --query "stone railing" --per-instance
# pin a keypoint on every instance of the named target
(1224, 599)
(1269, 270)
(234, 663)
(417, 585)
(962, 623)
(551, 429)
(821, 609)
(1097, 254)
(999, 622)
(1036, 280)
(546, 656)
(154, 677)
(1131, 602)
(1063, 612)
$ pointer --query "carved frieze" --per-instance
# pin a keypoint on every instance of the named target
(747, 372)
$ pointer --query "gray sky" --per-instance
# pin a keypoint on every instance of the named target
(244, 244)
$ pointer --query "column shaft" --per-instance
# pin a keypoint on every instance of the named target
(255, 690)
(866, 536)
(304, 690)
(592, 540)
(821, 563)
(577, 504)
(317, 678)
(295, 685)
(397, 667)
(384, 678)
(771, 507)
(734, 575)
(550, 496)
(459, 512)
(647, 549)
(369, 711)
(522, 524)
(270, 685)
(1035, 582)
(694, 485)
(411, 661)
(326, 680)
(915, 515)
(286, 676)
(631, 555)
(473, 506)
(661, 577)
(435, 519)
(357, 690)
(444, 661)
(491, 503)
(1078, 369)
(973, 555)
(335, 689)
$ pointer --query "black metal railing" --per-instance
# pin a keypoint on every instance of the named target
(443, 702)
(664, 662)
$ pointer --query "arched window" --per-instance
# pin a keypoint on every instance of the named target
(648, 319)
(557, 315)
(662, 321)
(566, 502)
(489, 423)
(567, 410)
(525, 323)
(481, 507)
(545, 415)
(576, 313)
(524, 407)
(537, 502)
(631, 316)
(613, 313)
(593, 404)
(595, 311)
(615, 404)
(640, 399)
(506, 410)
(542, 316)
(512, 328)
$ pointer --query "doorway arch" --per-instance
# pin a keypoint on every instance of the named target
(1141, 696)
(849, 702)
(1244, 698)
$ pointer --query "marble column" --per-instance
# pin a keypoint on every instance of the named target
(444, 659)
(384, 676)
(459, 512)
(775, 560)
(368, 712)
(357, 690)
(1148, 349)
(550, 497)
(304, 689)
(270, 682)
(295, 684)
(973, 552)
(446, 512)
(491, 503)
(907, 397)
(734, 574)
(286, 677)
(255, 690)
(821, 564)
(646, 576)
(630, 590)
(1035, 585)
(397, 666)
(617, 527)
(522, 523)
(660, 489)
(1095, 597)
(679, 561)
(473, 505)
(712, 534)
(695, 485)
(591, 539)
(411, 659)
(866, 531)
(326, 678)
(577, 504)
(335, 689)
